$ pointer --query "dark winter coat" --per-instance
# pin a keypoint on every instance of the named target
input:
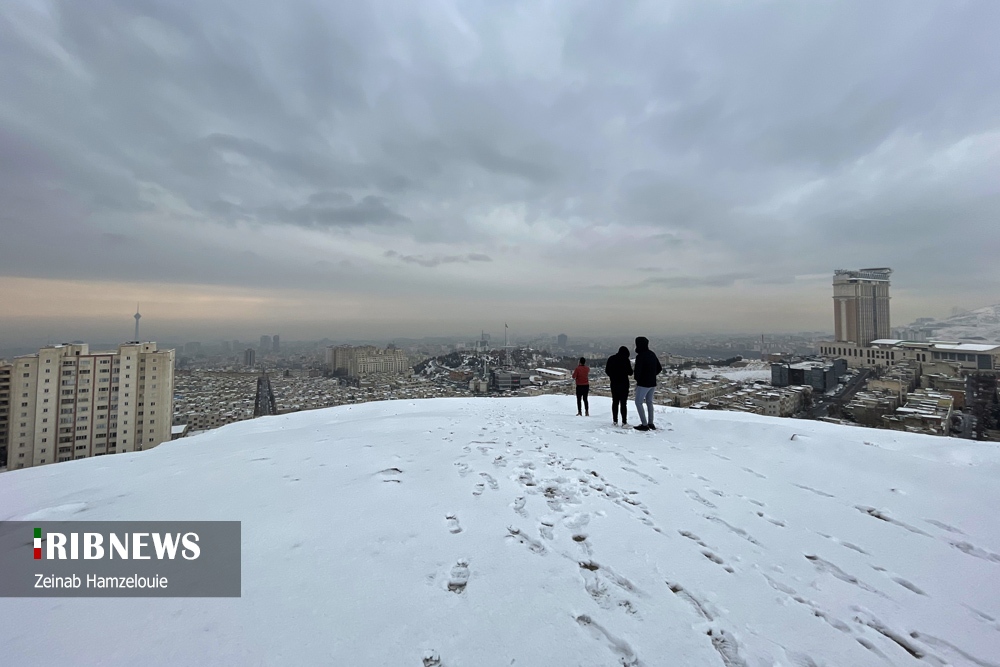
(619, 368)
(647, 365)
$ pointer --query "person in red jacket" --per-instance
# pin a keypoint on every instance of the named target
(582, 376)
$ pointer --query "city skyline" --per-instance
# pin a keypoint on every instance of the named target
(391, 169)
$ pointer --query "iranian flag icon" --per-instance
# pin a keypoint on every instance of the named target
(38, 543)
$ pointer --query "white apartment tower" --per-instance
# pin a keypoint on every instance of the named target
(6, 369)
(861, 305)
(69, 403)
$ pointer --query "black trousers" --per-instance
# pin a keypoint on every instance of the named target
(582, 391)
(619, 399)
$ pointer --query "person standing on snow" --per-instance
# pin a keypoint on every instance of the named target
(582, 376)
(618, 369)
(647, 367)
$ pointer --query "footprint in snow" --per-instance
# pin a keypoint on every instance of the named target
(545, 529)
(697, 497)
(619, 647)
(533, 545)
(459, 578)
(776, 522)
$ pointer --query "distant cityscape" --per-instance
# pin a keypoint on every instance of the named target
(67, 402)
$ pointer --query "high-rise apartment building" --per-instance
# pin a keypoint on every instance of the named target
(249, 357)
(861, 305)
(69, 403)
(367, 360)
(6, 370)
(265, 344)
(275, 339)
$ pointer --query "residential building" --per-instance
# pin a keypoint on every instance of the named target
(957, 387)
(265, 344)
(275, 343)
(249, 357)
(339, 357)
(380, 362)
(861, 305)
(761, 400)
(6, 370)
(686, 395)
(869, 407)
(367, 360)
(898, 380)
(926, 411)
(70, 403)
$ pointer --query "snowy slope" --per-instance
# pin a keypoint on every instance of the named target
(979, 325)
(478, 532)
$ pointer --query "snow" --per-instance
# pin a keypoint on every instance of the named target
(983, 323)
(468, 532)
(966, 347)
(755, 370)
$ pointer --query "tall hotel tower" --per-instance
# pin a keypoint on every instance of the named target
(861, 305)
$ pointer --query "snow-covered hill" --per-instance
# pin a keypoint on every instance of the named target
(978, 325)
(479, 532)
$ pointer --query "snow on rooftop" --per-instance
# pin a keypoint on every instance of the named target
(966, 347)
(460, 532)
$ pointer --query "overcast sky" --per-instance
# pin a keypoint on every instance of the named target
(393, 168)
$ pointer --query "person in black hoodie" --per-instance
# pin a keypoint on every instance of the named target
(647, 367)
(618, 370)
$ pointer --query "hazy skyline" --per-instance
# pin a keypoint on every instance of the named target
(386, 169)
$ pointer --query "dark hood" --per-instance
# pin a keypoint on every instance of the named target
(641, 343)
(623, 351)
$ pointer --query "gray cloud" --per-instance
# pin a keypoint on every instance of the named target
(154, 140)
(370, 210)
(685, 282)
(437, 260)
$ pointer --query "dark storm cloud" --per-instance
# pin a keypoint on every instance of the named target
(753, 140)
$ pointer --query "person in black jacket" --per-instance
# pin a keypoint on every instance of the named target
(618, 369)
(647, 367)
